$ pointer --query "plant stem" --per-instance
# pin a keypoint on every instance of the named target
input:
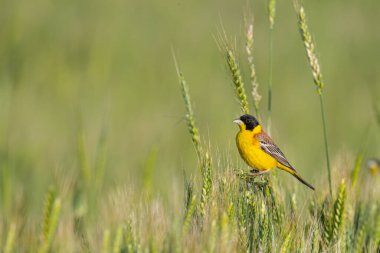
(270, 78)
(326, 143)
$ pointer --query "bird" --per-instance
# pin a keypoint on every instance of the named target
(373, 165)
(259, 151)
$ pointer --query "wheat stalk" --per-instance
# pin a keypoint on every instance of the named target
(317, 77)
(272, 16)
(203, 154)
(255, 85)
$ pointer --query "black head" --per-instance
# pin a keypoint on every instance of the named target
(249, 121)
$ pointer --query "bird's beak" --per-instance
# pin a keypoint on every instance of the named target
(238, 121)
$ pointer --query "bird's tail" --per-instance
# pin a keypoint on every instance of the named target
(295, 174)
(303, 181)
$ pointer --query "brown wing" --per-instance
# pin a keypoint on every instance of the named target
(269, 147)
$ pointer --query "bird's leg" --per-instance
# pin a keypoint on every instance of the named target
(256, 177)
(254, 171)
(258, 173)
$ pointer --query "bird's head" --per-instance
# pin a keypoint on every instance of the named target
(247, 122)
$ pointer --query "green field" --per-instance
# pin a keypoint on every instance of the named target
(95, 152)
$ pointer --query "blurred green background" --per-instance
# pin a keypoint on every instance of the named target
(71, 66)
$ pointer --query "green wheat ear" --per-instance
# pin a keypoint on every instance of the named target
(149, 168)
(117, 243)
(237, 80)
(101, 158)
(315, 241)
(360, 233)
(376, 109)
(52, 223)
(129, 238)
(338, 213)
(286, 244)
(10, 241)
(377, 228)
(189, 213)
(5, 186)
(310, 50)
(355, 171)
(83, 159)
(206, 169)
(272, 12)
(191, 124)
(48, 206)
(106, 241)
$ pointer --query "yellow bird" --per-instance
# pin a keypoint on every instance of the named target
(259, 151)
(374, 166)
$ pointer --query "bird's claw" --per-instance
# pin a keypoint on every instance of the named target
(255, 173)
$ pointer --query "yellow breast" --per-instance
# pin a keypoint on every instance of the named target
(252, 154)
